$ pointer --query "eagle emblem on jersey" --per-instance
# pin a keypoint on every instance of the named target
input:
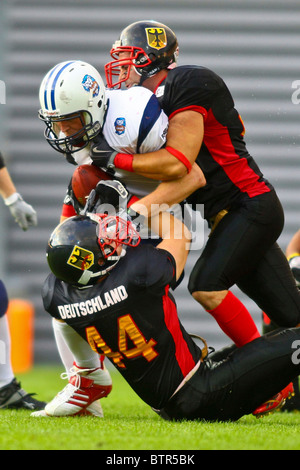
(120, 126)
(81, 259)
(156, 37)
(90, 84)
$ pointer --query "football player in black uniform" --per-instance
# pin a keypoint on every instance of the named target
(115, 294)
(293, 256)
(240, 204)
(11, 393)
(73, 125)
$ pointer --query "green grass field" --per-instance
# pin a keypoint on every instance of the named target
(131, 425)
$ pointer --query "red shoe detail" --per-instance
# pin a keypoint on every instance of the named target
(88, 388)
(275, 403)
(101, 358)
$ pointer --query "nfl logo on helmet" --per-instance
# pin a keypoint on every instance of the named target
(89, 83)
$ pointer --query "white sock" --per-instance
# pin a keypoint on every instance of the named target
(74, 348)
(64, 352)
(6, 372)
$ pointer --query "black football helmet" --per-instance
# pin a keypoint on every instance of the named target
(151, 46)
(82, 249)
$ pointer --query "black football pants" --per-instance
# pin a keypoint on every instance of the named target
(234, 382)
(243, 251)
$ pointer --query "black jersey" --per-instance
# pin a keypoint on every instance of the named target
(228, 167)
(131, 317)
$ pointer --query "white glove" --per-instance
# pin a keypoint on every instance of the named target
(23, 213)
(294, 262)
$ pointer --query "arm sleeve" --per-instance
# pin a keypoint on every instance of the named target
(68, 210)
(167, 271)
(191, 87)
(155, 269)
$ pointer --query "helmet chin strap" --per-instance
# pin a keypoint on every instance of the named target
(142, 74)
(145, 75)
(143, 78)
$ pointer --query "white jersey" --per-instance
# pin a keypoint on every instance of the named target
(134, 123)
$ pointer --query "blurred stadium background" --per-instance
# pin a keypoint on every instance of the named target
(253, 45)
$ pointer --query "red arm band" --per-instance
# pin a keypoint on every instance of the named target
(180, 157)
(132, 200)
(123, 161)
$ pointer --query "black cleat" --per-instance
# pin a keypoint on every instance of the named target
(294, 403)
(12, 396)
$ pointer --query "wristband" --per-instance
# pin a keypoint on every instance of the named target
(68, 210)
(182, 158)
(124, 161)
(12, 199)
(132, 200)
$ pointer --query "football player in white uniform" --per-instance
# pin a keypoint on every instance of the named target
(76, 107)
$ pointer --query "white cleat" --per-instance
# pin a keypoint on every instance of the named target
(95, 409)
(80, 397)
(40, 414)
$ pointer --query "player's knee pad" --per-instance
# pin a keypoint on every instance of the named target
(3, 299)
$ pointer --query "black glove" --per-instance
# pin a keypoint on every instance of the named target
(112, 193)
(109, 196)
(102, 154)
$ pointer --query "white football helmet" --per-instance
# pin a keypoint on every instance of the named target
(70, 90)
